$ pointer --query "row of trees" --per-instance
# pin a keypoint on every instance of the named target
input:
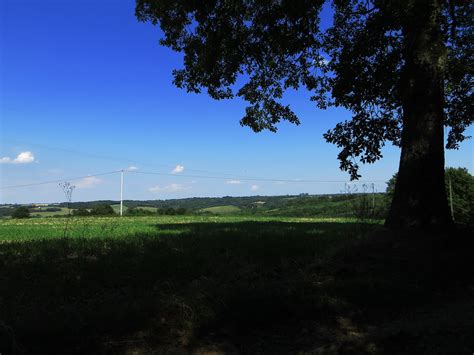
(99, 210)
(107, 210)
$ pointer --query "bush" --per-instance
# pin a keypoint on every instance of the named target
(102, 210)
(81, 212)
(21, 212)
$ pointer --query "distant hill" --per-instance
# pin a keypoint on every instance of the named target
(285, 205)
(304, 205)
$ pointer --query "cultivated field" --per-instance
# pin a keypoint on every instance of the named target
(204, 284)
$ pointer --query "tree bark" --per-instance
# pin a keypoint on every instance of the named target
(420, 199)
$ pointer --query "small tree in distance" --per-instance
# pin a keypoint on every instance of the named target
(102, 210)
(81, 212)
(21, 212)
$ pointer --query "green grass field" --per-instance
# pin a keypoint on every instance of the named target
(12, 230)
(229, 209)
(229, 284)
(64, 211)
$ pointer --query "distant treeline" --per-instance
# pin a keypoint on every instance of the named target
(107, 210)
(198, 203)
(360, 202)
(8, 211)
(339, 205)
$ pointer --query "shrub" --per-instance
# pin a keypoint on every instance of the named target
(102, 210)
(21, 212)
(81, 212)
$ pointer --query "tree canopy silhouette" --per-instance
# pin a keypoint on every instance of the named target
(403, 68)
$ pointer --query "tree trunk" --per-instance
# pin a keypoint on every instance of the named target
(420, 195)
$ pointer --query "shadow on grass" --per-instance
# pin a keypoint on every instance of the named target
(244, 287)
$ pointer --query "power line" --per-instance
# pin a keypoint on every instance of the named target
(184, 176)
(57, 181)
(248, 178)
(113, 158)
(224, 176)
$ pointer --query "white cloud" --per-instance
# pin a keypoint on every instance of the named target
(233, 182)
(178, 169)
(132, 168)
(88, 182)
(25, 158)
(254, 188)
(22, 158)
(169, 188)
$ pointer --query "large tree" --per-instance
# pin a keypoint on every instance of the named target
(403, 68)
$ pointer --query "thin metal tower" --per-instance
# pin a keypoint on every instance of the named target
(121, 193)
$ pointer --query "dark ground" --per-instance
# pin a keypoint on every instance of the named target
(248, 288)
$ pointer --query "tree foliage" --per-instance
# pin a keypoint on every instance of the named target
(21, 212)
(460, 184)
(81, 212)
(257, 49)
(102, 210)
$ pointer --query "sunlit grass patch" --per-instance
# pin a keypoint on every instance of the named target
(90, 227)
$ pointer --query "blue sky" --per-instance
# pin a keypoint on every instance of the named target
(82, 81)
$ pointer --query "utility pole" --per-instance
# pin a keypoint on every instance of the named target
(451, 196)
(121, 193)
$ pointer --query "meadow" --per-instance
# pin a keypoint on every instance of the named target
(231, 284)
(13, 230)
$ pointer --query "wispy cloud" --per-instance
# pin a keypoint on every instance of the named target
(169, 188)
(88, 182)
(233, 182)
(254, 188)
(178, 169)
(22, 158)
